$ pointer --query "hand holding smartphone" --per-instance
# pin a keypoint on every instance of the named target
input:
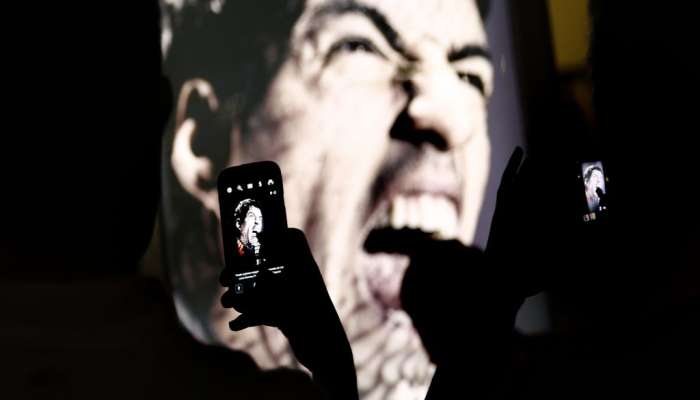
(261, 251)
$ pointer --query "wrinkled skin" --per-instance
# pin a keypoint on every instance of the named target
(370, 130)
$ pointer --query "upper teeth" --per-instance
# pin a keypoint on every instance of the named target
(429, 213)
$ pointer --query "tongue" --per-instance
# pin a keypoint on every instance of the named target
(384, 275)
(386, 260)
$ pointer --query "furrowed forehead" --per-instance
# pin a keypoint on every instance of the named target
(450, 23)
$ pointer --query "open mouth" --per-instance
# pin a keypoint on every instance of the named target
(432, 213)
(397, 224)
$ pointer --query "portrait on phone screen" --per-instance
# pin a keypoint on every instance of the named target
(593, 179)
(249, 225)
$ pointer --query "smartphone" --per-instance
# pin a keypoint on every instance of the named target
(594, 185)
(253, 218)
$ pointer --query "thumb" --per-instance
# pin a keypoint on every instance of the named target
(514, 163)
(243, 321)
(297, 244)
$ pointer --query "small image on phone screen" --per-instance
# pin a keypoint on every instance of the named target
(253, 217)
(595, 190)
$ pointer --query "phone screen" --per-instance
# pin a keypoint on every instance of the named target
(251, 201)
(594, 182)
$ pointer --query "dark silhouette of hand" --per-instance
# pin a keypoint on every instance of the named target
(462, 307)
(463, 302)
(450, 291)
(297, 302)
(526, 216)
(538, 223)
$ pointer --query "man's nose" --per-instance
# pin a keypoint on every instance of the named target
(437, 111)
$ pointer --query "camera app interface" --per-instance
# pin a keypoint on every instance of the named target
(253, 217)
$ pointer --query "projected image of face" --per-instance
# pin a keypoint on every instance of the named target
(375, 111)
(249, 223)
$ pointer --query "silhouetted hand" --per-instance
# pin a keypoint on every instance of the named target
(297, 302)
(462, 301)
(509, 203)
(462, 307)
(525, 222)
(537, 229)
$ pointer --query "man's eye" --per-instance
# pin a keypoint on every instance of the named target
(352, 45)
(474, 80)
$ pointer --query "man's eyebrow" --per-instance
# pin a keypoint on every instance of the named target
(375, 17)
(468, 51)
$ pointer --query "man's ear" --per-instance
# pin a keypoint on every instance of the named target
(194, 172)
